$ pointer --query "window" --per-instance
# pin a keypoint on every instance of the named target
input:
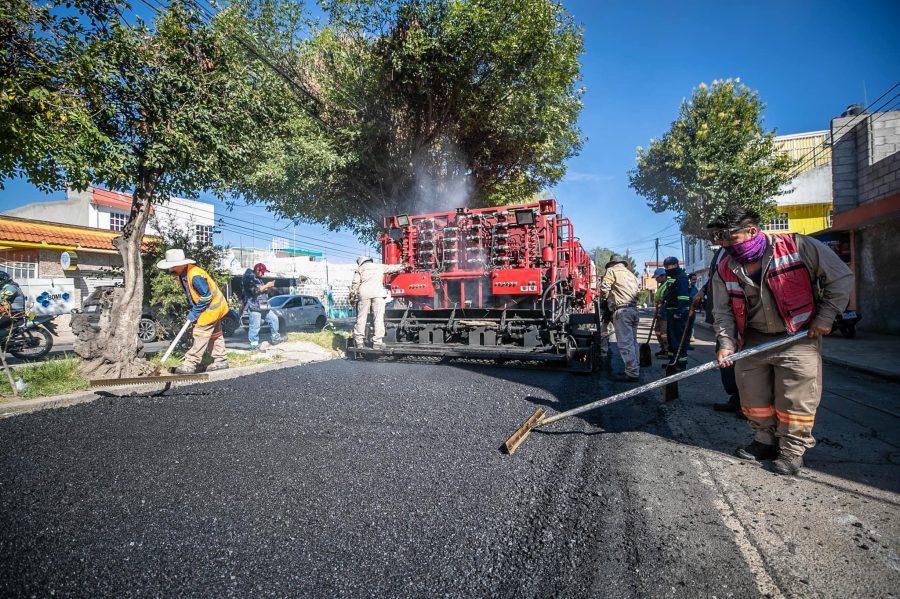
(20, 264)
(204, 234)
(117, 221)
(779, 223)
(310, 301)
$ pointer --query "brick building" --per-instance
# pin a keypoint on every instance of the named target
(866, 223)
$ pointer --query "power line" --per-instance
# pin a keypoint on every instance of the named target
(799, 167)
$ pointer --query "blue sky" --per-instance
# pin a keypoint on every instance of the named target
(808, 60)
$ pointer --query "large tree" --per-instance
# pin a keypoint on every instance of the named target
(425, 105)
(715, 154)
(169, 108)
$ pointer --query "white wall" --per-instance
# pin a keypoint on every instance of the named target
(809, 187)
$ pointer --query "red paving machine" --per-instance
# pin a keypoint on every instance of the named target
(504, 283)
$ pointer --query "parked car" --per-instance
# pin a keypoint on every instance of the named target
(156, 324)
(294, 312)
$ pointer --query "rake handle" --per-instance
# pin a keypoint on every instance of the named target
(175, 341)
(653, 324)
(671, 379)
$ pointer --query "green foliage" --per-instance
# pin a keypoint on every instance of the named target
(716, 154)
(603, 255)
(52, 377)
(423, 105)
(164, 290)
(171, 108)
(329, 338)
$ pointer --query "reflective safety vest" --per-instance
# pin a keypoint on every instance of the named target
(218, 306)
(787, 279)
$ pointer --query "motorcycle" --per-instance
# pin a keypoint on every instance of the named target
(30, 338)
(845, 322)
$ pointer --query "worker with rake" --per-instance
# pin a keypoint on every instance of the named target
(763, 289)
(208, 307)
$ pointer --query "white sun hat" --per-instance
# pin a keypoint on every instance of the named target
(174, 258)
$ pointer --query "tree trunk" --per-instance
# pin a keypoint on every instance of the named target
(115, 351)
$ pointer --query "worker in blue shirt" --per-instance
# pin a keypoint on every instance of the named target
(676, 303)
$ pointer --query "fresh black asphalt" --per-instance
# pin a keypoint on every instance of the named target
(358, 479)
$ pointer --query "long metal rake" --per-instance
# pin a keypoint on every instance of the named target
(539, 419)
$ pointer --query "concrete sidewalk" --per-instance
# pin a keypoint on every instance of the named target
(871, 353)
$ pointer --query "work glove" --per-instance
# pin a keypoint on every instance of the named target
(192, 317)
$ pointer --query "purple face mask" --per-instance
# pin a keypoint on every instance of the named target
(750, 250)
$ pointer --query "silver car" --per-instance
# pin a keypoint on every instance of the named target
(294, 312)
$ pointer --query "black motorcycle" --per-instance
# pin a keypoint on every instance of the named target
(845, 322)
(30, 338)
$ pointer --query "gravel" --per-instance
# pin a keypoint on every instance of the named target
(358, 479)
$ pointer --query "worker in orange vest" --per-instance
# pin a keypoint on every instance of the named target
(208, 307)
(763, 290)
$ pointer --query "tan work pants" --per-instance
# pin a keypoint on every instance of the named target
(207, 339)
(376, 304)
(780, 391)
(625, 321)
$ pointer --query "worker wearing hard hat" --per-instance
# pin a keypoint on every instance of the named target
(208, 307)
(619, 287)
(763, 290)
(369, 293)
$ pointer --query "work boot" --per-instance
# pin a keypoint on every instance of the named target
(624, 378)
(221, 365)
(662, 354)
(185, 369)
(732, 405)
(788, 464)
(757, 451)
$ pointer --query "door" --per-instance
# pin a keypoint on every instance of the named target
(293, 313)
(309, 311)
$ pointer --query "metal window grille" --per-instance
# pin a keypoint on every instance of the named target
(830, 218)
(117, 221)
(779, 223)
(204, 234)
(20, 264)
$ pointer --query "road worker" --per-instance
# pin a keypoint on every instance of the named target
(677, 303)
(368, 291)
(208, 306)
(12, 303)
(619, 287)
(662, 281)
(763, 290)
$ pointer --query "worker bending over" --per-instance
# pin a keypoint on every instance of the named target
(208, 307)
(662, 281)
(368, 292)
(677, 304)
(762, 290)
(619, 287)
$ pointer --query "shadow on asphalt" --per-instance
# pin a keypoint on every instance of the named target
(872, 462)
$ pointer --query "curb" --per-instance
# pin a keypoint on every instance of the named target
(835, 361)
(26, 406)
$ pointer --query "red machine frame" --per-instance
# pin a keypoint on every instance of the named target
(490, 282)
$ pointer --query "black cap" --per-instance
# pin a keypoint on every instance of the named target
(670, 261)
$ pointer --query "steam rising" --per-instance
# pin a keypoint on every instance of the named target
(443, 181)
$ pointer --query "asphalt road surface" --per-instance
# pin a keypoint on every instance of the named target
(364, 479)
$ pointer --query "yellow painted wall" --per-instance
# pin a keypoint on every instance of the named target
(804, 219)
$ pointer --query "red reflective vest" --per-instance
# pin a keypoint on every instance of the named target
(787, 279)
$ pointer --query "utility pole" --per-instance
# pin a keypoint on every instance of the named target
(657, 251)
